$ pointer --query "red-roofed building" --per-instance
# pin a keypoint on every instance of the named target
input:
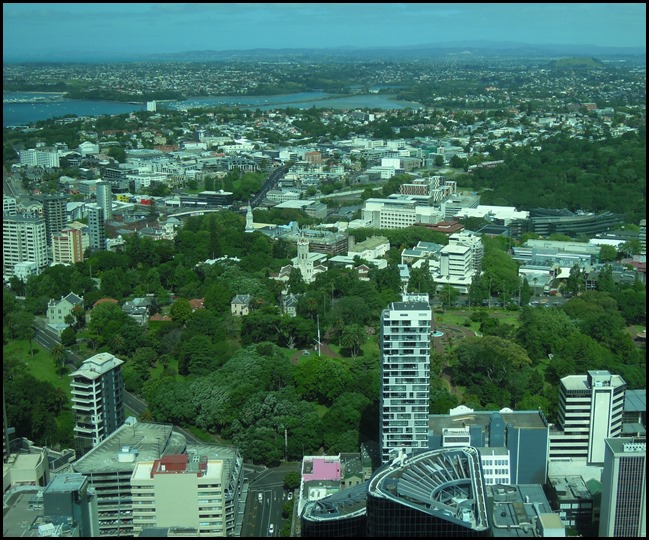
(197, 303)
(104, 300)
(160, 317)
(446, 227)
(641, 269)
(166, 148)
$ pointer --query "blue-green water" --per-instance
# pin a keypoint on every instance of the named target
(17, 112)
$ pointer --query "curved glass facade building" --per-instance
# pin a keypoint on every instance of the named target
(339, 515)
(433, 493)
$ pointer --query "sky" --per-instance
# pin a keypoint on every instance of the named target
(40, 31)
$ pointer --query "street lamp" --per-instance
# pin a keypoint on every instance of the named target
(285, 442)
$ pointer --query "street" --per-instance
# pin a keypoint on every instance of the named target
(263, 511)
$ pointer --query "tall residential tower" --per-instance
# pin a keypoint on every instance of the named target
(105, 199)
(55, 214)
(405, 375)
(23, 240)
(97, 400)
(96, 227)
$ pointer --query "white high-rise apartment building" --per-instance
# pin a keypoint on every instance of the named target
(105, 199)
(455, 262)
(182, 491)
(97, 400)
(590, 410)
(23, 240)
(472, 241)
(39, 157)
(398, 213)
(96, 227)
(623, 509)
(405, 374)
(146, 475)
(9, 205)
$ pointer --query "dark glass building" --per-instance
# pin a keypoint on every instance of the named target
(339, 515)
(544, 222)
(431, 493)
(55, 214)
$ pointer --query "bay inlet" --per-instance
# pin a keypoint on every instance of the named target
(23, 108)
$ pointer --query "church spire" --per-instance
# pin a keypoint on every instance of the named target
(249, 220)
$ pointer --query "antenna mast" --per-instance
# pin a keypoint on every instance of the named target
(318, 340)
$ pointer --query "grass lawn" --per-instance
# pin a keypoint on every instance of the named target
(41, 365)
(290, 352)
(459, 317)
(371, 346)
(456, 319)
(320, 409)
(202, 435)
(156, 372)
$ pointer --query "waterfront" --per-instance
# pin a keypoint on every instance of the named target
(22, 108)
(303, 100)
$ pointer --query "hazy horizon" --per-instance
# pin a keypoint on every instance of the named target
(42, 32)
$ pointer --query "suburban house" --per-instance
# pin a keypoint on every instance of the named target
(240, 305)
(138, 309)
(289, 304)
(57, 311)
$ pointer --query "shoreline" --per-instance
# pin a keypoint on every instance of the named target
(215, 96)
(30, 92)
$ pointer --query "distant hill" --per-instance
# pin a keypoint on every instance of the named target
(474, 49)
(576, 63)
(464, 50)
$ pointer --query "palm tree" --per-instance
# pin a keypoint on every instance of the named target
(70, 320)
(60, 357)
(312, 306)
(30, 334)
(353, 337)
(80, 316)
(339, 328)
(93, 338)
(118, 342)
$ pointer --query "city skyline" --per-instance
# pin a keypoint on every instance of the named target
(55, 32)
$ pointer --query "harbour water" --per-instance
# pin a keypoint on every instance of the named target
(21, 108)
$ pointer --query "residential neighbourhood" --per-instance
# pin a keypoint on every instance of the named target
(285, 321)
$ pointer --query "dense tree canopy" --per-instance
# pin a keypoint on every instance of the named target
(498, 371)
(574, 173)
